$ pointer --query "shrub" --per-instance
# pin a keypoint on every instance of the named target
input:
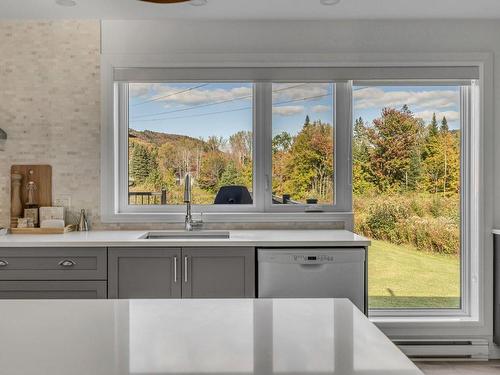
(426, 221)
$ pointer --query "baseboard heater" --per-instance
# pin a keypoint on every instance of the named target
(463, 349)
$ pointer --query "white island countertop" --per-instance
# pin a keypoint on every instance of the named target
(257, 238)
(232, 336)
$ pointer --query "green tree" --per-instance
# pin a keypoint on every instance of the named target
(433, 126)
(141, 163)
(231, 176)
(282, 142)
(444, 125)
(361, 171)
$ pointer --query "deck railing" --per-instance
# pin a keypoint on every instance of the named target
(147, 198)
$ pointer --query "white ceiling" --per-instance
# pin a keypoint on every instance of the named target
(253, 9)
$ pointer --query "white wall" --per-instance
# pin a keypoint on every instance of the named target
(185, 40)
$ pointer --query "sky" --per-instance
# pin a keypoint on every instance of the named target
(423, 101)
(221, 109)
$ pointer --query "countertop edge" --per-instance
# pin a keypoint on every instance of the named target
(240, 238)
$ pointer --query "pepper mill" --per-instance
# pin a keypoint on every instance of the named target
(83, 225)
(17, 205)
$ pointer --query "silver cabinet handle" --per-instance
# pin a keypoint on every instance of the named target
(66, 263)
(4, 263)
(175, 269)
(185, 269)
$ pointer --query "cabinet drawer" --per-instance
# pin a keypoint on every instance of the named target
(53, 264)
(52, 289)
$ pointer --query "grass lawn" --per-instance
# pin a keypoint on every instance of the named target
(401, 276)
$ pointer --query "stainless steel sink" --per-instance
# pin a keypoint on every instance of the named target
(170, 235)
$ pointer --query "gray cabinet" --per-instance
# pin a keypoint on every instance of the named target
(53, 272)
(53, 263)
(144, 273)
(174, 273)
(53, 290)
(218, 272)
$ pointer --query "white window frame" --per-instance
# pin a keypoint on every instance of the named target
(262, 151)
(467, 121)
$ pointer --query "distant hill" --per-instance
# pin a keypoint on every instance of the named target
(158, 138)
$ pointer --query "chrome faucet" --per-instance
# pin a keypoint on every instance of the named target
(189, 223)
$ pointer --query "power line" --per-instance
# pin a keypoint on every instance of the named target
(233, 110)
(361, 88)
(211, 104)
(169, 95)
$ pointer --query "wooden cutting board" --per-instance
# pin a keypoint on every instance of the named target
(42, 176)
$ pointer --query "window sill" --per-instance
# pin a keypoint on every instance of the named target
(427, 321)
(237, 217)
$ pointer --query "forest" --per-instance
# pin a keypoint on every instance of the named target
(406, 173)
(406, 181)
(302, 164)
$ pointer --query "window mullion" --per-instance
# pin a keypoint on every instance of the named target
(122, 146)
(263, 145)
(343, 146)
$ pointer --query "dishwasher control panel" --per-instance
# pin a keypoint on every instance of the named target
(313, 258)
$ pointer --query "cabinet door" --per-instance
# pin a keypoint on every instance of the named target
(218, 272)
(144, 273)
(52, 289)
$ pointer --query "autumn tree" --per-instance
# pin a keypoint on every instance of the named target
(309, 167)
(395, 155)
(212, 166)
(241, 147)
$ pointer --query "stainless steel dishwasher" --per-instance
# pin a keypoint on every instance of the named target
(313, 273)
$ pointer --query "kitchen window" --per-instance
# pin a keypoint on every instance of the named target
(299, 108)
(407, 185)
(204, 129)
(303, 129)
(249, 146)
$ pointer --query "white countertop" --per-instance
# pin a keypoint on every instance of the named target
(496, 231)
(261, 238)
(232, 336)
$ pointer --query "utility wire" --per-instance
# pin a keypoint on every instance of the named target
(234, 110)
(169, 95)
(211, 104)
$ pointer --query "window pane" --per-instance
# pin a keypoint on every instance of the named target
(406, 186)
(303, 143)
(204, 129)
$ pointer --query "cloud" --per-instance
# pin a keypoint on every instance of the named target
(296, 91)
(429, 100)
(170, 96)
(451, 116)
(142, 89)
(289, 110)
(321, 108)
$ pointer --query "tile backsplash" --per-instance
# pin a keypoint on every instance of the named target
(50, 106)
(50, 109)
